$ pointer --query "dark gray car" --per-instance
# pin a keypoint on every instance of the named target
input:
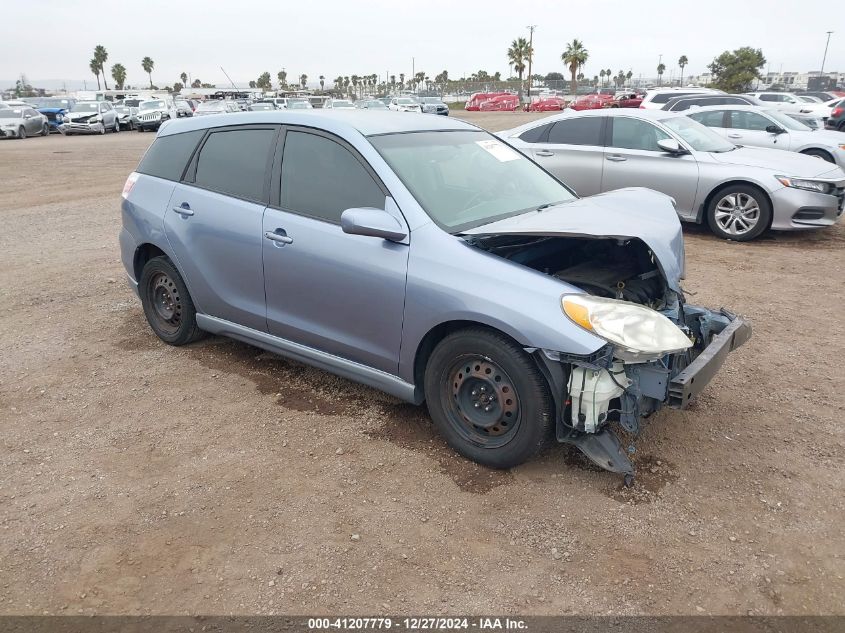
(430, 260)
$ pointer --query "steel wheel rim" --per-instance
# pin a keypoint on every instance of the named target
(737, 213)
(166, 302)
(483, 404)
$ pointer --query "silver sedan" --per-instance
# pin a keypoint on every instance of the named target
(738, 191)
(22, 122)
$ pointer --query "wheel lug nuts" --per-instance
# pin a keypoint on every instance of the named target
(488, 408)
(484, 390)
(475, 392)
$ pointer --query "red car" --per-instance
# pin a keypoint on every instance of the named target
(546, 105)
(625, 100)
(492, 102)
(591, 102)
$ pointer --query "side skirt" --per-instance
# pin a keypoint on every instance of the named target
(375, 378)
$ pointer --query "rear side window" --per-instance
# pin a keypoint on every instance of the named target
(581, 131)
(168, 155)
(536, 134)
(236, 162)
(710, 119)
(664, 97)
(772, 98)
(321, 178)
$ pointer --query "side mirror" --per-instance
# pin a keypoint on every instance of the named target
(775, 129)
(671, 145)
(373, 223)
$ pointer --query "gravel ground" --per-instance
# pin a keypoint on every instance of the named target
(138, 478)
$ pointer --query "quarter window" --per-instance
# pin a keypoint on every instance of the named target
(536, 134)
(168, 155)
(580, 131)
(321, 178)
(635, 134)
(235, 162)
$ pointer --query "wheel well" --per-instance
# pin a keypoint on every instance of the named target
(144, 254)
(732, 183)
(815, 151)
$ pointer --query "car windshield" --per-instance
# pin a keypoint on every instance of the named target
(431, 100)
(5, 113)
(85, 107)
(53, 103)
(121, 109)
(698, 136)
(261, 106)
(342, 104)
(212, 105)
(465, 179)
(405, 101)
(298, 105)
(788, 122)
(152, 105)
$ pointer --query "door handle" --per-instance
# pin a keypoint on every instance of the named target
(616, 158)
(734, 135)
(184, 210)
(544, 152)
(279, 238)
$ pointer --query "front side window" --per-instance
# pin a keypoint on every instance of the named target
(465, 179)
(636, 134)
(580, 131)
(321, 178)
(235, 162)
(744, 120)
(697, 136)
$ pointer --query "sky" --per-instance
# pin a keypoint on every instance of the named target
(342, 37)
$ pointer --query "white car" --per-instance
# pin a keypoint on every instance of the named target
(154, 112)
(789, 102)
(339, 104)
(405, 104)
(656, 98)
(768, 127)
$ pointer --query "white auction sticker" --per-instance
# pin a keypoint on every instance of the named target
(499, 151)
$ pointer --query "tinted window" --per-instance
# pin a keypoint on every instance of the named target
(743, 120)
(537, 134)
(664, 97)
(735, 101)
(710, 119)
(235, 162)
(322, 179)
(636, 134)
(581, 131)
(168, 155)
(772, 98)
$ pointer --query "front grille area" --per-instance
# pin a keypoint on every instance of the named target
(150, 116)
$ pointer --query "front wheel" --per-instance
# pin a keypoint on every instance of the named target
(167, 303)
(45, 131)
(21, 132)
(487, 398)
(116, 126)
(739, 212)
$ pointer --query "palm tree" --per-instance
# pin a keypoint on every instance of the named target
(518, 55)
(322, 81)
(628, 76)
(574, 57)
(282, 77)
(682, 62)
(148, 64)
(607, 74)
(95, 69)
(118, 73)
(660, 68)
(303, 80)
(601, 74)
(401, 80)
(101, 55)
(184, 78)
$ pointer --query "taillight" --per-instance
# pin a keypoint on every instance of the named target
(130, 182)
(837, 112)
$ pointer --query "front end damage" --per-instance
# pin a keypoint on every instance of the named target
(615, 387)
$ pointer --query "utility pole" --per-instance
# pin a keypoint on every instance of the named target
(659, 76)
(530, 28)
(824, 59)
(413, 71)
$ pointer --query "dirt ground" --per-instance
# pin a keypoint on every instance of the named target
(138, 478)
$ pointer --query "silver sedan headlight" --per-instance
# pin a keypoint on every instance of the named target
(819, 186)
(639, 333)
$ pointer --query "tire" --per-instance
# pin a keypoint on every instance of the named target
(116, 126)
(739, 212)
(103, 129)
(487, 398)
(167, 303)
(140, 128)
(841, 127)
(819, 153)
(45, 131)
(21, 132)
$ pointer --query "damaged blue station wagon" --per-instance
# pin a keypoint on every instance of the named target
(426, 258)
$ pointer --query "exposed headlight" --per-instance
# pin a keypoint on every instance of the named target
(97, 119)
(639, 333)
(803, 183)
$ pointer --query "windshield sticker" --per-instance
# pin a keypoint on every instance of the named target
(499, 151)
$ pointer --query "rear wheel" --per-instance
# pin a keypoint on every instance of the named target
(739, 212)
(167, 303)
(819, 153)
(487, 398)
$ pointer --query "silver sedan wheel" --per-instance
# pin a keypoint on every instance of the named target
(737, 213)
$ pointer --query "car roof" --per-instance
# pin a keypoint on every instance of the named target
(636, 113)
(341, 121)
(731, 106)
